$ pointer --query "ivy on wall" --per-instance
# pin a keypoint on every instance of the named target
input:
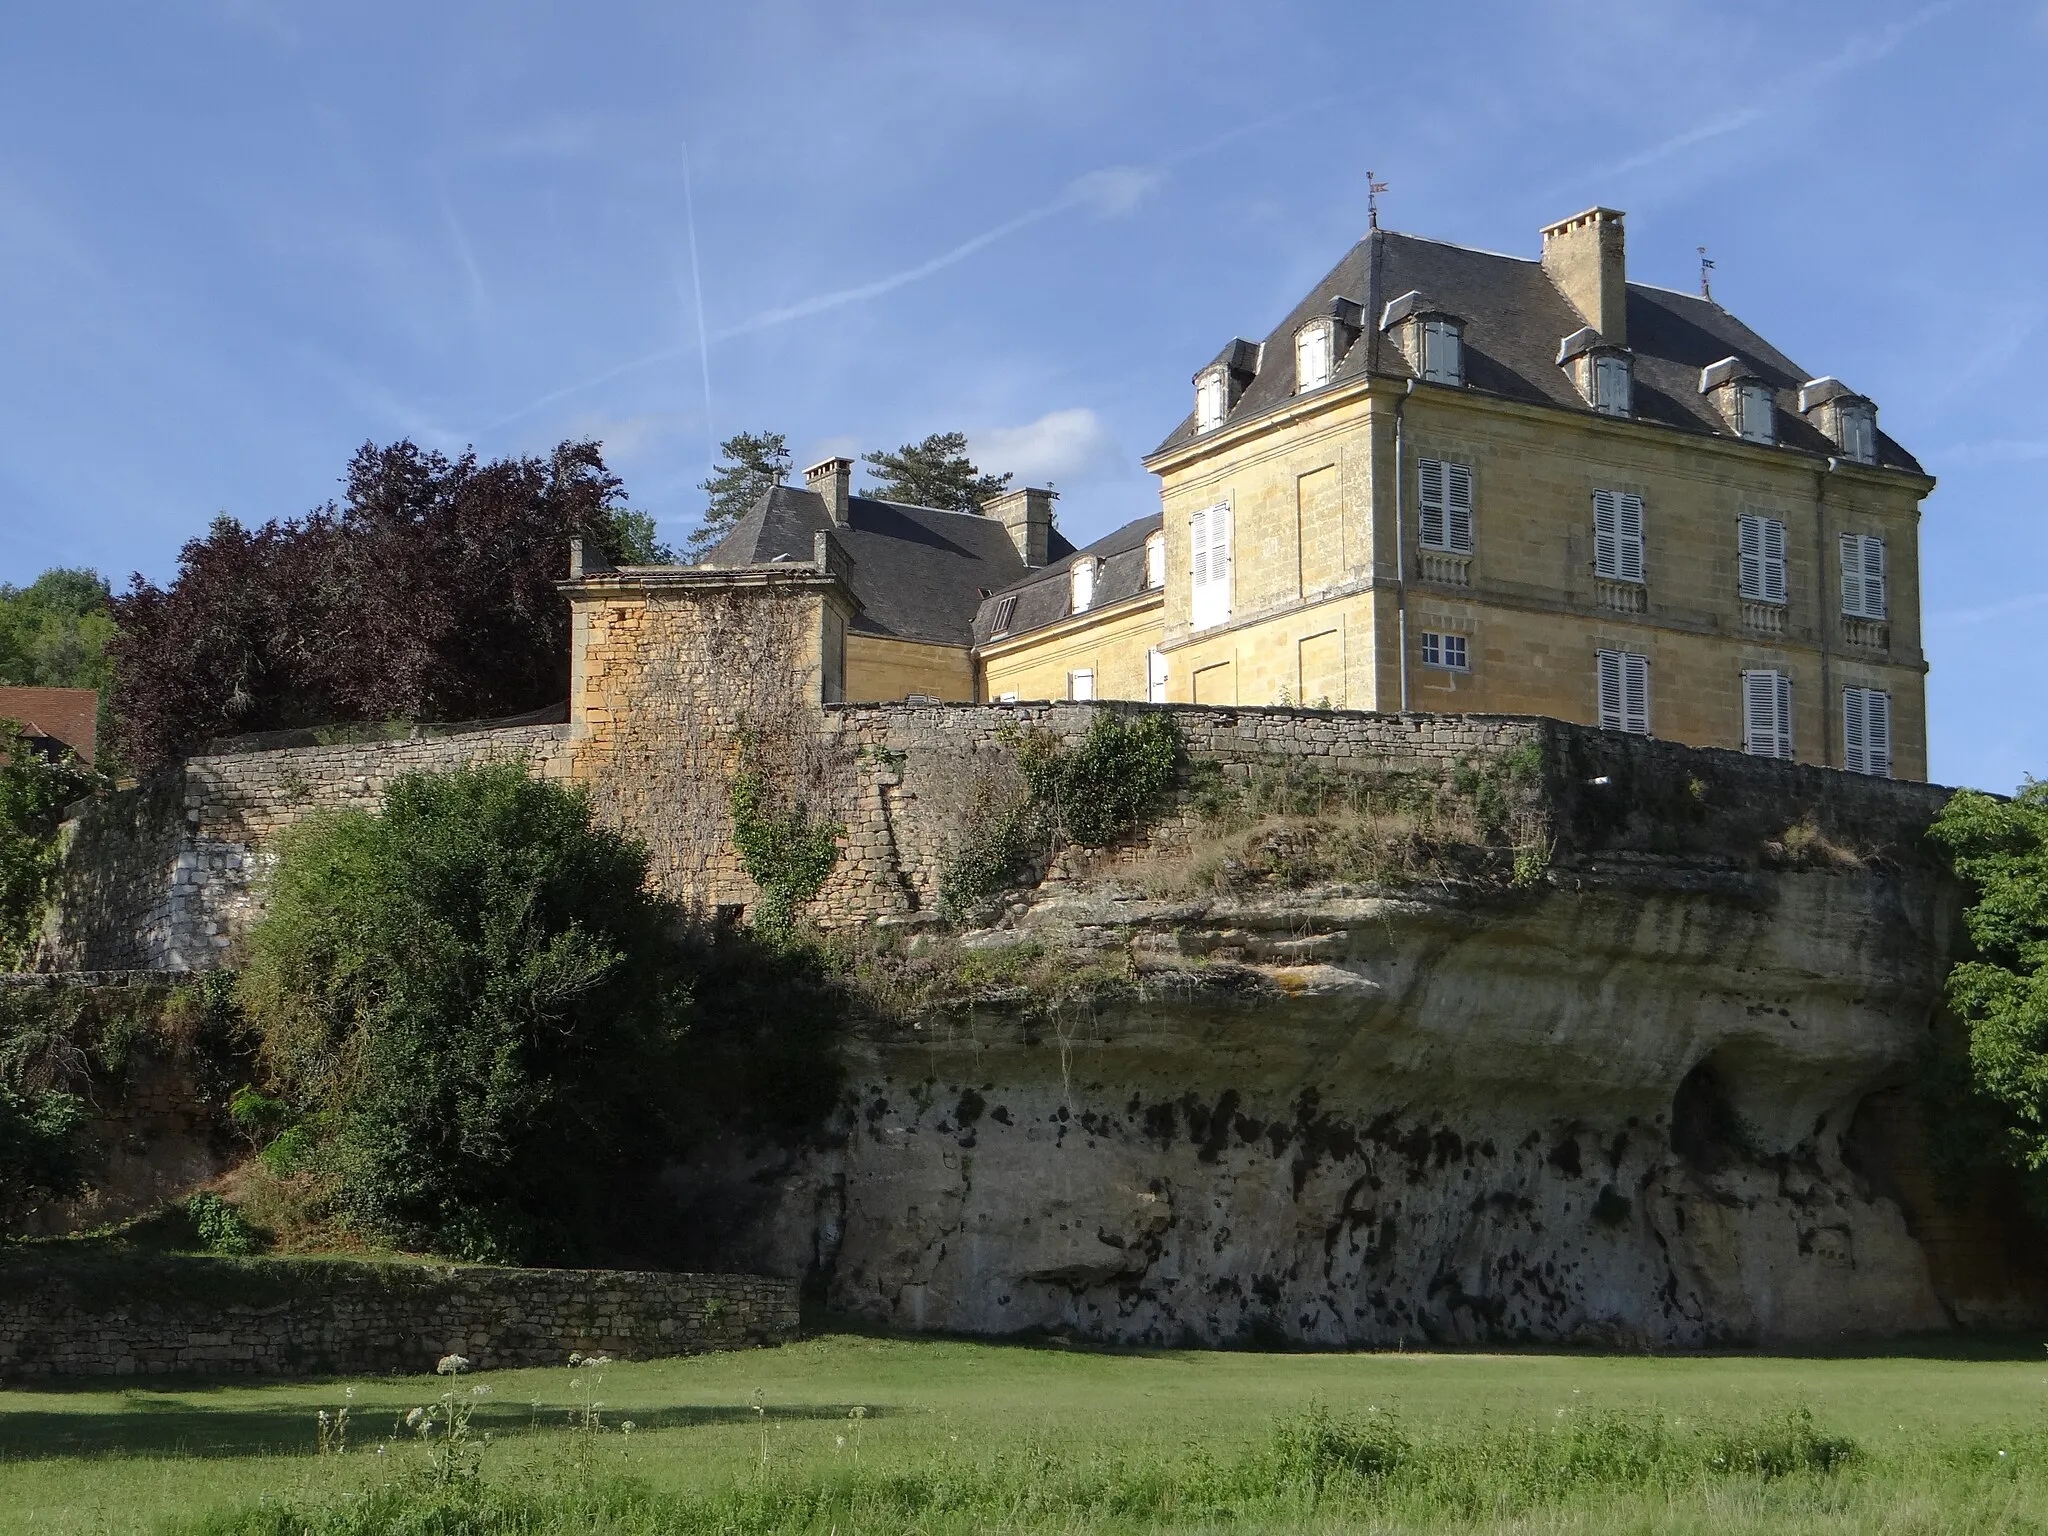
(787, 854)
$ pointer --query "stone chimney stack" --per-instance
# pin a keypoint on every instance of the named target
(833, 480)
(1586, 257)
(1027, 514)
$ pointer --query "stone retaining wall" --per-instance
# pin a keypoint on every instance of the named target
(147, 1316)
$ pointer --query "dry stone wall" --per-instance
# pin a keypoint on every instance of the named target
(301, 1316)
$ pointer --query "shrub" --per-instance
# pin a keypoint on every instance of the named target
(40, 1158)
(478, 997)
(34, 790)
(786, 854)
(1103, 786)
(219, 1226)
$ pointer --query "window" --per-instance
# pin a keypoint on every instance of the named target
(1863, 594)
(1759, 413)
(1624, 692)
(1611, 391)
(1312, 356)
(1081, 684)
(1761, 558)
(1446, 491)
(1155, 561)
(1617, 536)
(1209, 400)
(1447, 651)
(1081, 584)
(1155, 676)
(1209, 562)
(1867, 731)
(1767, 714)
(1443, 352)
(1858, 434)
(1007, 698)
(1006, 610)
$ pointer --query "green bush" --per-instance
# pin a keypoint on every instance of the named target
(34, 790)
(219, 1226)
(477, 998)
(785, 853)
(40, 1156)
(1105, 785)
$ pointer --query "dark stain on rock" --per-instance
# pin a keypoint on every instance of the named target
(1000, 1114)
(1161, 1121)
(970, 1107)
(1612, 1209)
(1217, 1131)
(1564, 1157)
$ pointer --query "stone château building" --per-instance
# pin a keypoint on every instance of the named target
(1448, 480)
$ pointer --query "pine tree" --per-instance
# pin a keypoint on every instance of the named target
(933, 473)
(748, 464)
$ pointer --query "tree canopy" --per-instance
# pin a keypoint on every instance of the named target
(749, 463)
(476, 1005)
(428, 593)
(54, 631)
(933, 473)
(2000, 849)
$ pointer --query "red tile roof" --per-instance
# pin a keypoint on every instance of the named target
(69, 715)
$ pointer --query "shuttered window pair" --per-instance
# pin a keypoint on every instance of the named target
(1312, 357)
(1625, 692)
(1867, 731)
(1863, 594)
(1209, 565)
(1618, 536)
(1767, 714)
(1082, 589)
(1446, 505)
(1761, 559)
(1081, 684)
(1210, 406)
(1443, 352)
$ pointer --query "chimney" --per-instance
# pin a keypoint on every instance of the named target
(1585, 256)
(833, 480)
(1027, 514)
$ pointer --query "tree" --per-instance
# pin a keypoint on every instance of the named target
(34, 790)
(40, 1155)
(749, 465)
(427, 594)
(54, 631)
(476, 996)
(2000, 849)
(933, 473)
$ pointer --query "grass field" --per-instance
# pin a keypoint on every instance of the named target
(966, 1437)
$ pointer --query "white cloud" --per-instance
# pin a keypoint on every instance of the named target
(1061, 448)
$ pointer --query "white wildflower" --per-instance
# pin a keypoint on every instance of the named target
(451, 1365)
(412, 1420)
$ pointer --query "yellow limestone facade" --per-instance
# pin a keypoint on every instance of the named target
(1332, 600)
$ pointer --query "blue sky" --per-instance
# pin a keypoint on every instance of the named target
(240, 237)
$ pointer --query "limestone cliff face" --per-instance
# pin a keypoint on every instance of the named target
(1618, 1108)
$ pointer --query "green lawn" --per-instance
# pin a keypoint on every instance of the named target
(1928, 1430)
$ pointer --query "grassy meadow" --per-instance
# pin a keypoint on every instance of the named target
(848, 1433)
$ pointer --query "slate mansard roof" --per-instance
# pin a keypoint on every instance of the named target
(1515, 319)
(918, 573)
(1042, 598)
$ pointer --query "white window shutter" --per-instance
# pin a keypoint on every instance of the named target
(1610, 691)
(1635, 693)
(1431, 484)
(1873, 578)
(1606, 535)
(1877, 719)
(1631, 540)
(1198, 551)
(1785, 714)
(1155, 676)
(1855, 736)
(1777, 583)
(1767, 714)
(1852, 576)
(1458, 508)
(1750, 558)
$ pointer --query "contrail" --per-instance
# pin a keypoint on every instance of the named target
(697, 288)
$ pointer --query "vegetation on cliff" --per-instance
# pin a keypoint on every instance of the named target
(2000, 992)
(34, 790)
(477, 1008)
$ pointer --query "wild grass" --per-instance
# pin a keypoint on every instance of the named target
(878, 1435)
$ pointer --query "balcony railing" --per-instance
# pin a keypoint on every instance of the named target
(1764, 618)
(1623, 596)
(1446, 569)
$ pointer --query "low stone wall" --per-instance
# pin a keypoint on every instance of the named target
(147, 1316)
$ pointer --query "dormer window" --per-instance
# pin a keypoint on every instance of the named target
(1601, 372)
(1759, 414)
(1218, 386)
(1443, 351)
(1848, 419)
(1155, 562)
(1742, 398)
(1312, 356)
(1081, 586)
(1430, 337)
(1210, 400)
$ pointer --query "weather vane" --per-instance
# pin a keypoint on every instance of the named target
(1373, 189)
(1706, 266)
